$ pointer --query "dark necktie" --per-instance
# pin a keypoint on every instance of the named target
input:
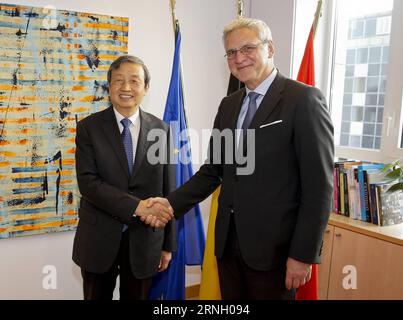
(252, 107)
(127, 142)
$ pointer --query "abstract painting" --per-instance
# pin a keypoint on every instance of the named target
(53, 66)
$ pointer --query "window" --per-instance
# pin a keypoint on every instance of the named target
(383, 25)
(365, 91)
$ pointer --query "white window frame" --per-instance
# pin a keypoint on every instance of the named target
(392, 117)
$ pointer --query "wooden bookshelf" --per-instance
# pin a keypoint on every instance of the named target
(375, 252)
(393, 234)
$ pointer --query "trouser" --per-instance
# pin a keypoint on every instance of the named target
(239, 281)
(101, 286)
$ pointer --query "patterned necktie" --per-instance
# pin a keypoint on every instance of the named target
(249, 114)
(127, 142)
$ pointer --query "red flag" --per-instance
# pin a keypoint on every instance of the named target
(306, 74)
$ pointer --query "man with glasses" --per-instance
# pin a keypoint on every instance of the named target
(270, 223)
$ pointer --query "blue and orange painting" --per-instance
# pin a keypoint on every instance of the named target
(53, 66)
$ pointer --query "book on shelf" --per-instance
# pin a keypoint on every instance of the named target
(374, 204)
(351, 187)
(360, 193)
(362, 171)
(374, 176)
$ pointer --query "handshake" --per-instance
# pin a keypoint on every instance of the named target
(156, 212)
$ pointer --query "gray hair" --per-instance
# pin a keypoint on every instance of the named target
(261, 28)
(131, 59)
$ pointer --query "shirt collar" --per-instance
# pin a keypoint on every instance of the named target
(132, 118)
(265, 85)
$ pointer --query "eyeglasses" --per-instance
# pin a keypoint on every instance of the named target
(245, 50)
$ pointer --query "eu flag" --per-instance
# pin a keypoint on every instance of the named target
(170, 284)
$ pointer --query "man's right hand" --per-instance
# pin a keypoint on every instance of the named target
(153, 220)
(156, 215)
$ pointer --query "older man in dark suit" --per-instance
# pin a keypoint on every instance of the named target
(114, 177)
(270, 222)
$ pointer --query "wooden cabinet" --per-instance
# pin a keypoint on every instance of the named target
(356, 253)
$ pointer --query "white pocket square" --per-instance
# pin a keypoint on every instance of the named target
(271, 123)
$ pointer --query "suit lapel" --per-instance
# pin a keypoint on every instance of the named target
(112, 133)
(142, 143)
(269, 101)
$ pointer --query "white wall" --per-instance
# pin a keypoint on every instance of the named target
(206, 76)
(279, 16)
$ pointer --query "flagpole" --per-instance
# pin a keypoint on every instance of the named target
(318, 14)
(240, 9)
(175, 23)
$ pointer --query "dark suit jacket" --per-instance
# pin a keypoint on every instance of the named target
(110, 196)
(281, 210)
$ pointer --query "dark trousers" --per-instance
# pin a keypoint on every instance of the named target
(101, 286)
(239, 281)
